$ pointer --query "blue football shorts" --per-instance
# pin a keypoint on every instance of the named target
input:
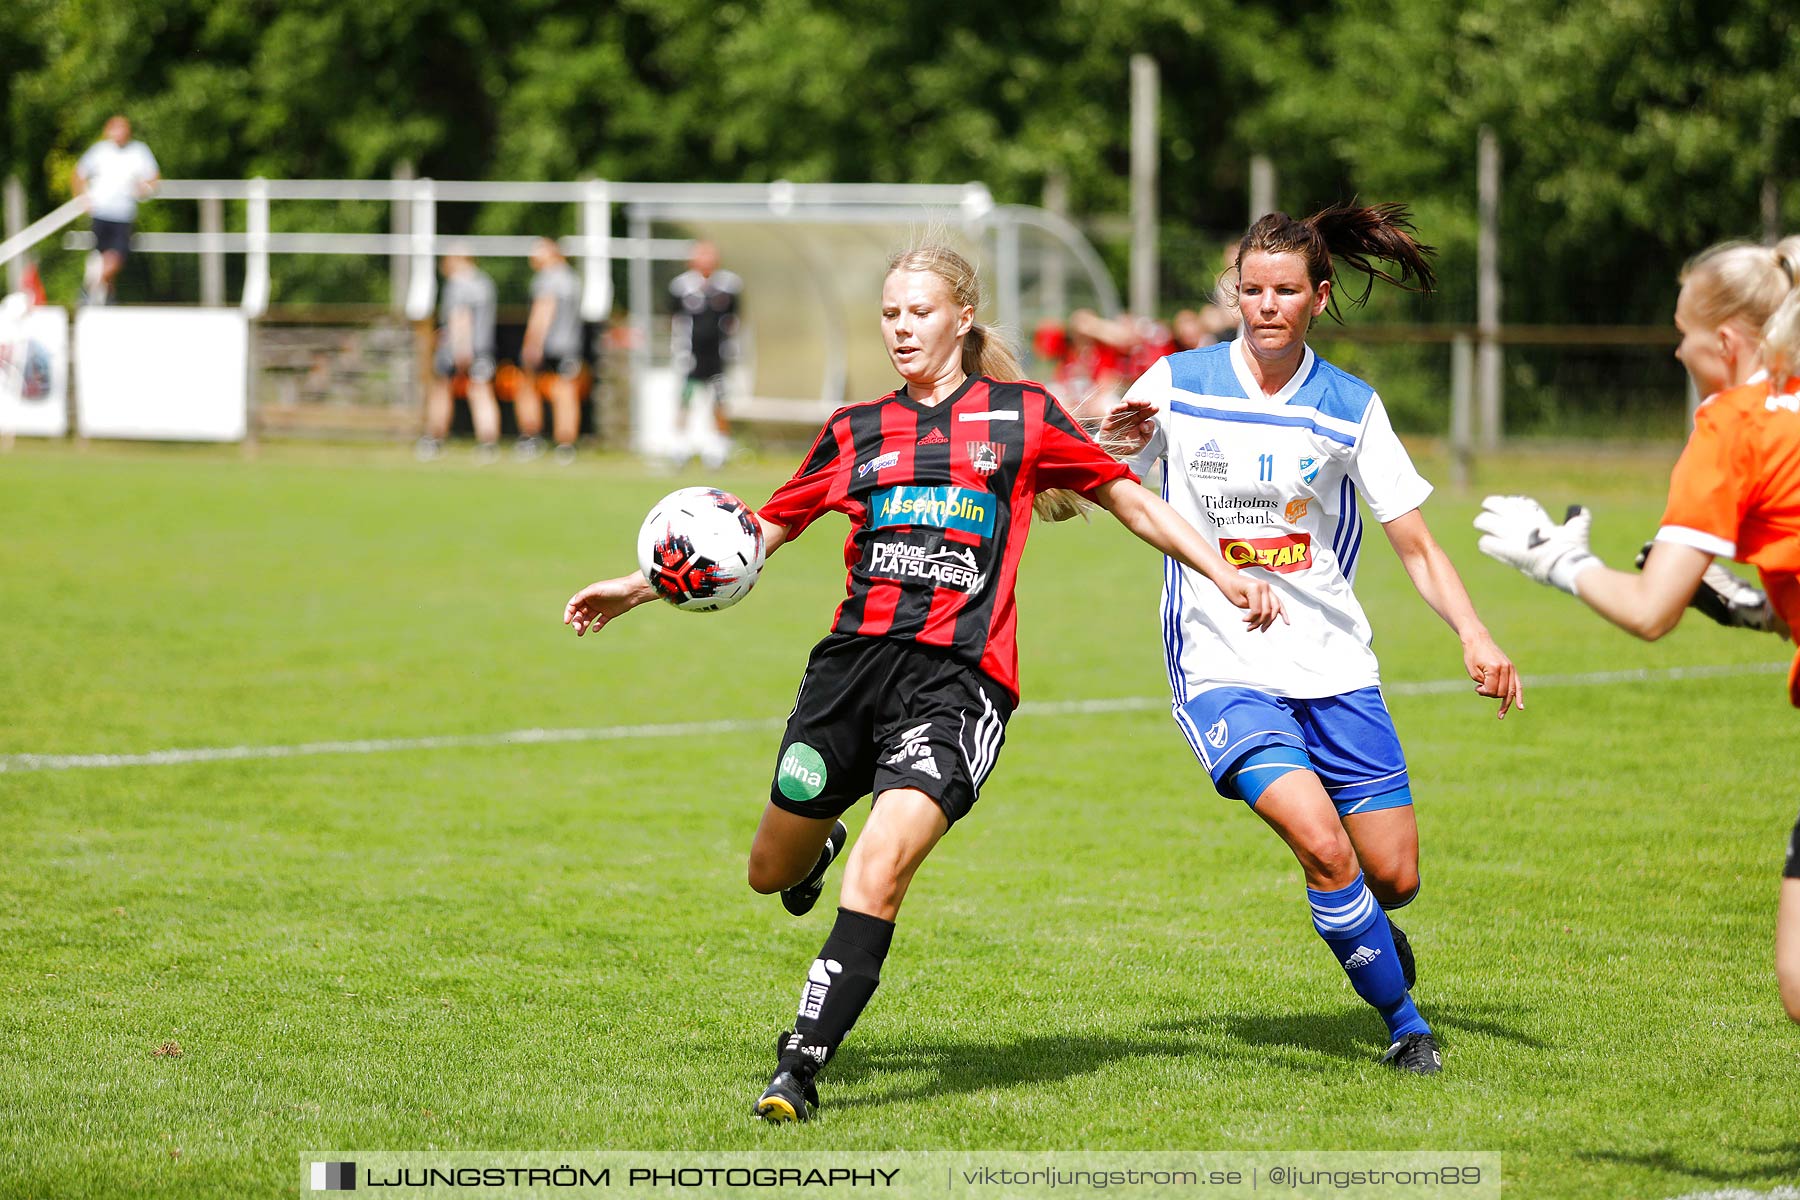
(1247, 739)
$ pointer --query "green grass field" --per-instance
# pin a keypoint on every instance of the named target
(550, 946)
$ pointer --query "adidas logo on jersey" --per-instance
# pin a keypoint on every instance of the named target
(1363, 957)
(1209, 462)
(936, 437)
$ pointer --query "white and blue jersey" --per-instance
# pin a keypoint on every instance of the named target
(1272, 482)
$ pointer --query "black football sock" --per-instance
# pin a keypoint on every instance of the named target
(838, 986)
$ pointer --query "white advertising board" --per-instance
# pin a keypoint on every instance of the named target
(172, 374)
(34, 376)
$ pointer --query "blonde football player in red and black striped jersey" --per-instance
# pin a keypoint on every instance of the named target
(908, 697)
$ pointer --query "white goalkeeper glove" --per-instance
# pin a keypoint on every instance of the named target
(1517, 531)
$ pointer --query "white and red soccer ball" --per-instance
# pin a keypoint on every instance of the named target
(701, 549)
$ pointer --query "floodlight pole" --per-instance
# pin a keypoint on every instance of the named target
(1006, 266)
(212, 253)
(1487, 291)
(15, 221)
(1145, 85)
(637, 280)
(421, 283)
(596, 250)
(1262, 187)
(256, 249)
(400, 220)
(1056, 287)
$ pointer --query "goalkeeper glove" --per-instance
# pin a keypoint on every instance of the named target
(1726, 598)
(1519, 533)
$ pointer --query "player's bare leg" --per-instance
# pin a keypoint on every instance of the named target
(902, 828)
(717, 456)
(437, 420)
(1787, 946)
(528, 410)
(565, 409)
(484, 411)
(1296, 807)
(111, 263)
(1387, 845)
(785, 848)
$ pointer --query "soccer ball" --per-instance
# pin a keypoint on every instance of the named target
(701, 549)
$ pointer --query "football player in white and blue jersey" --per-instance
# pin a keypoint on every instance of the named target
(1266, 449)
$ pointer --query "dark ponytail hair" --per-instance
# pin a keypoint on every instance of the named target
(1359, 235)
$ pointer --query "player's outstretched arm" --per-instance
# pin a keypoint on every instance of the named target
(1518, 532)
(1442, 588)
(1152, 519)
(598, 603)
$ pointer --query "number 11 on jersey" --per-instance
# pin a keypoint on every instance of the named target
(1265, 467)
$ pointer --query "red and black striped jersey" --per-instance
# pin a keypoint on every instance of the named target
(939, 501)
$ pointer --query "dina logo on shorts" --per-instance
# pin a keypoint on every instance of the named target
(801, 775)
(1216, 735)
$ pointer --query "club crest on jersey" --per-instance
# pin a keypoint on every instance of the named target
(1209, 462)
(1215, 736)
(1310, 467)
(1283, 555)
(1296, 509)
(878, 464)
(936, 437)
(966, 509)
(985, 456)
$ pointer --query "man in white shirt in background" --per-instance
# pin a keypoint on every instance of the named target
(114, 175)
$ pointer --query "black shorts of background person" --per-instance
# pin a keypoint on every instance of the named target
(113, 237)
(480, 370)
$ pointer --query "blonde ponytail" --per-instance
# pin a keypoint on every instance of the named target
(986, 353)
(1781, 332)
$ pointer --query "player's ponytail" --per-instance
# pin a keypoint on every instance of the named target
(985, 352)
(1361, 235)
(1781, 332)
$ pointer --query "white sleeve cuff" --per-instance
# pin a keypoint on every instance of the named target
(1699, 539)
(1402, 502)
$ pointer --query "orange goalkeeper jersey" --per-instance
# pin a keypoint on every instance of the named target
(1735, 492)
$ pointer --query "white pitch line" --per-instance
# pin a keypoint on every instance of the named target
(626, 733)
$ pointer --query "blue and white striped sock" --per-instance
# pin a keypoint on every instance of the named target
(1356, 929)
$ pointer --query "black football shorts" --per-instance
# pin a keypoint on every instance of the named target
(112, 237)
(879, 713)
(1793, 859)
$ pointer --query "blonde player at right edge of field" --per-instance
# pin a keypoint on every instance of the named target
(1735, 494)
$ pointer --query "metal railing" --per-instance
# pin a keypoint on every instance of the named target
(413, 242)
